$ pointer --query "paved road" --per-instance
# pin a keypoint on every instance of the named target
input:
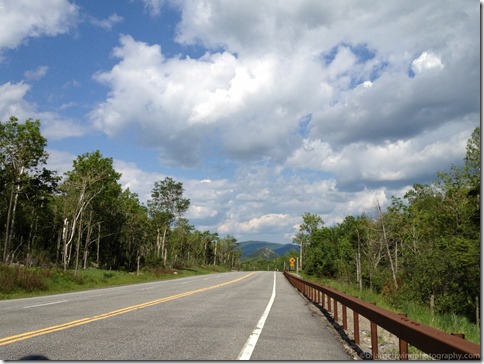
(228, 316)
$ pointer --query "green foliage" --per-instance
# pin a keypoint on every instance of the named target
(22, 156)
(85, 219)
(16, 279)
(167, 199)
(264, 264)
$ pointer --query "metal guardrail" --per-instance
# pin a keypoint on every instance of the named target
(436, 343)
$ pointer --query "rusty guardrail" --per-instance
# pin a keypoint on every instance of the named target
(436, 343)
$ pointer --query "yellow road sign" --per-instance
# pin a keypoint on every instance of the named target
(292, 260)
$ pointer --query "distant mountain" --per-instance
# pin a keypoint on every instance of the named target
(265, 253)
(252, 246)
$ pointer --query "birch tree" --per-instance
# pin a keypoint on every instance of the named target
(91, 175)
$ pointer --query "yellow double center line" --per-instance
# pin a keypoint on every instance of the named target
(67, 325)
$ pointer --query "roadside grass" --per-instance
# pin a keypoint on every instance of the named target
(20, 282)
(449, 323)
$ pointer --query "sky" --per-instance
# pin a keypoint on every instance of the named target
(263, 109)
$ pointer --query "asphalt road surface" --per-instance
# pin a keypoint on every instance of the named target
(226, 316)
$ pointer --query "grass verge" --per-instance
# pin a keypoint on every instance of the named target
(20, 282)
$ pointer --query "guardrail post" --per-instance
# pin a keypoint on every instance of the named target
(322, 299)
(374, 340)
(402, 344)
(329, 303)
(356, 328)
(335, 310)
(345, 323)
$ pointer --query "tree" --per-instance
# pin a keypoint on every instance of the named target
(180, 243)
(352, 230)
(165, 206)
(38, 219)
(386, 241)
(472, 171)
(92, 175)
(21, 157)
(133, 230)
(311, 223)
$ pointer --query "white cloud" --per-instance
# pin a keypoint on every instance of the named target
(316, 116)
(56, 127)
(108, 23)
(248, 105)
(12, 101)
(137, 180)
(197, 212)
(400, 160)
(37, 74)
(154, 6)
(22, 19)
(60, 161)
(53, 125)
(427, 61)
(250, 97)
(255, 225)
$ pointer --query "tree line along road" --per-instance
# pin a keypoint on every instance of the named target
(226, 316)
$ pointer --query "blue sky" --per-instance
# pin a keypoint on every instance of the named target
(264, 109)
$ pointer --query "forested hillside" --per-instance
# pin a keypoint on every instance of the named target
(249, 247)
(425, 247)
(85, 218)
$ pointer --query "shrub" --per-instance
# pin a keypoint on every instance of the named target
(20, 279)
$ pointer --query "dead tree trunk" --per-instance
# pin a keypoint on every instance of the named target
(163, 247)
(387, 245)
(87, 242)
(359, 276)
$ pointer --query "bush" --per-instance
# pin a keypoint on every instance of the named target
(16, 278)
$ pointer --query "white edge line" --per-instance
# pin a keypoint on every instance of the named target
(45, 304)
(249, 346)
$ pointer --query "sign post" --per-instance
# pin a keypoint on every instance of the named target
(291, 263)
